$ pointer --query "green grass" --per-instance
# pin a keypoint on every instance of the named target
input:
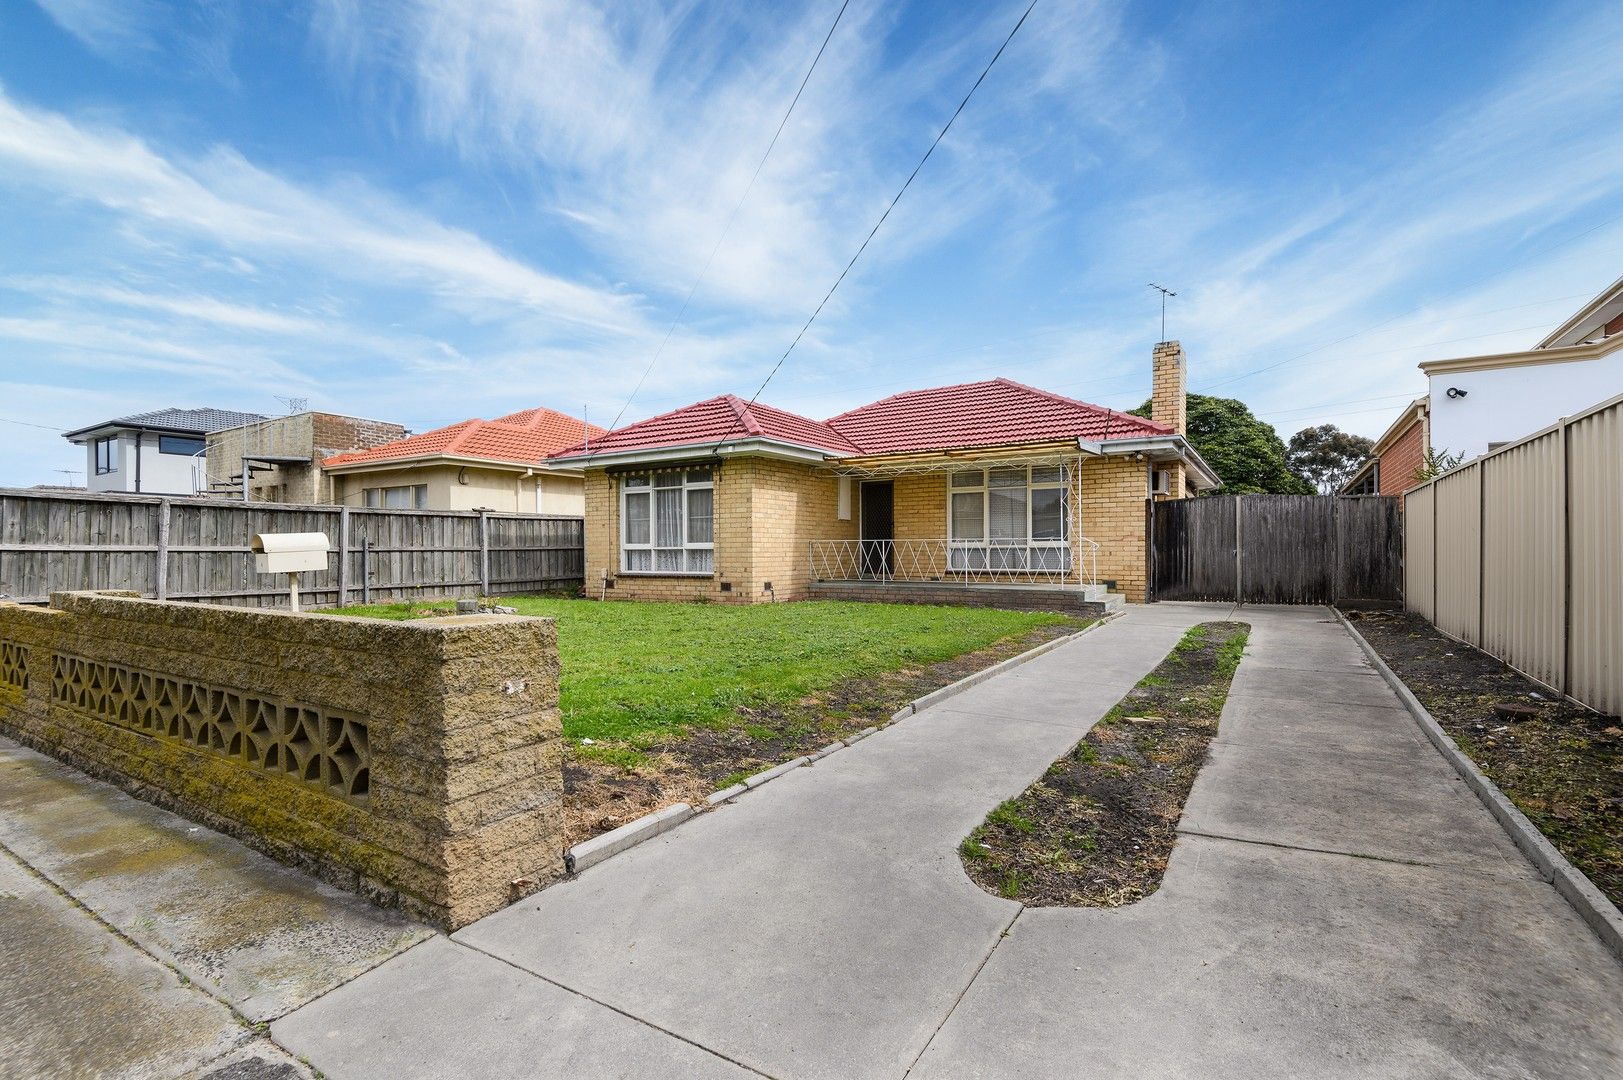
(633, 672)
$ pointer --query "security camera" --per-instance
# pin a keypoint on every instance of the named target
(1456, 392)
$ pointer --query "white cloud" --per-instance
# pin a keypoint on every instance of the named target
(643, 124)
(112, 28)
(352, 231)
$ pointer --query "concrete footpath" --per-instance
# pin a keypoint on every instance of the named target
(134, 943)
(1338, 905)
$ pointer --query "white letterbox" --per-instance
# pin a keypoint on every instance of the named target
(289, 553)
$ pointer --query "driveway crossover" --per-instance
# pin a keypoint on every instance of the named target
(1338, 904)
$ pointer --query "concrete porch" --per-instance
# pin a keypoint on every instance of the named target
(1071, 599)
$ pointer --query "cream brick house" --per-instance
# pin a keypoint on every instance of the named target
(498, 464)
(990, 492)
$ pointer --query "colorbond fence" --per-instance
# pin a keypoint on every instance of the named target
(197, 549)
(1520, 553)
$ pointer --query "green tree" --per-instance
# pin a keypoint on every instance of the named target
(1246, 453)
(1434, 463)
(1325, 456)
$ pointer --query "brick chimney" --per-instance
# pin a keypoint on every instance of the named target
(1168, 403)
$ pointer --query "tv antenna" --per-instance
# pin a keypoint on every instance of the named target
(1165, 292)
(294, 404)
(71, 474)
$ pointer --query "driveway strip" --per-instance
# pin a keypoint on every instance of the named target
(824, 927)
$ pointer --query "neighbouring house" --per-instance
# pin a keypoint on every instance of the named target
(1395, 461)
(153, 453)
(498, 464)
(1476, 403)
(1480, 402)
(279, 458)
(990, 492)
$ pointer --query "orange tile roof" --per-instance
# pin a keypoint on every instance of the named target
(529, 435)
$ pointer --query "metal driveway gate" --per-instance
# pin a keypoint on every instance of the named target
(1277, 549)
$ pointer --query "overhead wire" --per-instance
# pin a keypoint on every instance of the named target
(888, 208)
(733, 217)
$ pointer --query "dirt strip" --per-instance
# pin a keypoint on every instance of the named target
(1098, 828)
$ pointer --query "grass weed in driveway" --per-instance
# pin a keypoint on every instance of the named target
(1561, 764)
(1098, 828)
(667, 702)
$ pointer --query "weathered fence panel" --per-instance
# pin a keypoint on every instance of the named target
(1287, 549)
(1277, 549)
(1519, 554)
(197, 549)
(1192, 547)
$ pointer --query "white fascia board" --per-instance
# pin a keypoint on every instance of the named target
(755, 447)
(1167, 448)
(416, 460)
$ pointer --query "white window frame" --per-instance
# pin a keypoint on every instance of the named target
(959, 559)
(690, 550)
(377, 498)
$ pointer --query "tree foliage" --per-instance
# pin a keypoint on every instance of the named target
(1325, 456)
(1244, 452)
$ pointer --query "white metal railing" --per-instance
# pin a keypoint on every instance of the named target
(995, 561)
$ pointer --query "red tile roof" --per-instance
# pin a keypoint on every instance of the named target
(530, 435)
(997, 412)
(716, 420)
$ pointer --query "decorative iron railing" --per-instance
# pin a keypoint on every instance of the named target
(989, 562)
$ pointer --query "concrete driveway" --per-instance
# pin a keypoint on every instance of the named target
(1338, 905)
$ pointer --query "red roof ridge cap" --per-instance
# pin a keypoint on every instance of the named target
(741, 409)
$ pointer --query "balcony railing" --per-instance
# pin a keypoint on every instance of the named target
(988, 562)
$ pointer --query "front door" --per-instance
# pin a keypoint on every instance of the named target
(878, 554)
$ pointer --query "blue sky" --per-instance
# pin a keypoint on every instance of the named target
(423, 210)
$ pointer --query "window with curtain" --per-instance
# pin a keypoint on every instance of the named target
(667, 522)
(1009, 519)
(406, 497)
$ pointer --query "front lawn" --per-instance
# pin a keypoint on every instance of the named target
(668, 702)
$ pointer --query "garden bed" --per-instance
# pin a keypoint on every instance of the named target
(1561, 764)
(1098, 828)
(666, 703)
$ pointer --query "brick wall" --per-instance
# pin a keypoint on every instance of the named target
(333, 434)
(767, 512)
(1169, 404)
(1113, 494)
(793, 505)
(313, 436)
(419, 763)
(1401, 459)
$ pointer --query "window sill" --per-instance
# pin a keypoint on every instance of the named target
(666, 573)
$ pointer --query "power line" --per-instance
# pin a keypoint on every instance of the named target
(727, 228)
(898, 197)
(25, 423)
(1126, 381)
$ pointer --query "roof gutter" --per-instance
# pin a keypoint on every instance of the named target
(755, 445)
(417, 460)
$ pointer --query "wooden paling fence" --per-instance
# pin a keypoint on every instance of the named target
(1277, 549)
(197, 549)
